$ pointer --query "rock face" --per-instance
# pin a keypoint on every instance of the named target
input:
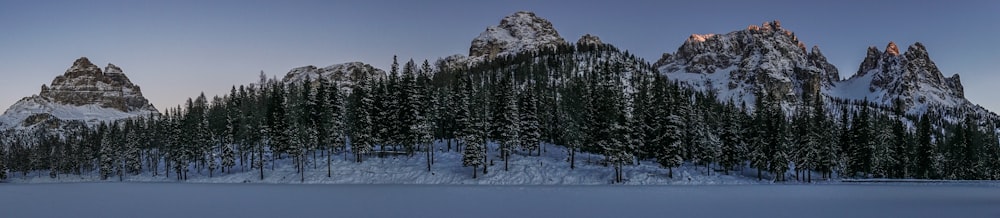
(518, 32)
(769, 59)
(766, 59)
(911, 77)
(84, 83)
(589, 40)
(344, 75)
(83, 93)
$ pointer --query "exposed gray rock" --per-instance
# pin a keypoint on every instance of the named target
(520, 32)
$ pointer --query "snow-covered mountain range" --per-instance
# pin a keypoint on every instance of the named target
(765, 59)
(910, 77)
(84, 94)
(769, 59)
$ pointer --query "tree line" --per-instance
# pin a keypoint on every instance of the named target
(584, 98)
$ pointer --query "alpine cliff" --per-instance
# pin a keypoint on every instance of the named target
(84, 94)
(770, 60)
(766, 59)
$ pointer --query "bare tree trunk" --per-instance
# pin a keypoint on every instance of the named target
(429, 150)
(260, 157)
(329, 163)
(572, 158)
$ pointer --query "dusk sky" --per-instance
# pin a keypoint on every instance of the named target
(176, 49)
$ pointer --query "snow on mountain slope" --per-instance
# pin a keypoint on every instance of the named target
(83, 93)
(771, 60)
(765, 59)
(344, 75)
(36, 109)
(518, 32)
(911, 77)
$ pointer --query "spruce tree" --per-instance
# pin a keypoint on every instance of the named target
(505, 121)
(107, 153)
(530, 131)
(707, 145)
(475, 147)
(407, 101)
(424, 103)
(361, 131)
(671, 154)
(758, 155)
(925, 151)
(733, 149)
(133, 164)
(228, 158)
(460, 107)
(861, 153)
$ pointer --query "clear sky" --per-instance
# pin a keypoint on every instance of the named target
(176, 49)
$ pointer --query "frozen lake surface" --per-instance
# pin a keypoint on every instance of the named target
(263, 200)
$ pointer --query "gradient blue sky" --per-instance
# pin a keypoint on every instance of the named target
(176, 49)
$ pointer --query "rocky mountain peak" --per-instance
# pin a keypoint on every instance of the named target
(519, 32)
(870, 62)
(84, 84)
(911, 77)
(589, 40)
(112, 69)
(917, 51)
(891, 49)
(760, 59)
(82, 66)
(83, 93)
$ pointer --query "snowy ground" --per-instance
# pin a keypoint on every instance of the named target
(272, 200)
(551, 168)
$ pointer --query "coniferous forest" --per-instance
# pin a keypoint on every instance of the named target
(580, 98)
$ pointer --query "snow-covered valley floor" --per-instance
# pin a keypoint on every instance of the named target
(283, 200)
(535, 186)
(551, 168)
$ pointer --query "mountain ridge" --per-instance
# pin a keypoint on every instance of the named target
(82, 93)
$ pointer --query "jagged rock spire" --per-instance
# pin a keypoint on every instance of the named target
(891, 49)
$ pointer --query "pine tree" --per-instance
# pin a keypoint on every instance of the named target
(778, 142)
(733, 147)
(925, 149)
(475, 147)
(824, 141)
(133, 164)
(331, 122)
(671, 154)
(424, 104)
(505, 121)
(228, 158)
(861, 154)
(361, 131)
(107, 153)
(460, 107)
(407, 102)
(707, 145)
(758, 138)
(280, 140)
(530, 131)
